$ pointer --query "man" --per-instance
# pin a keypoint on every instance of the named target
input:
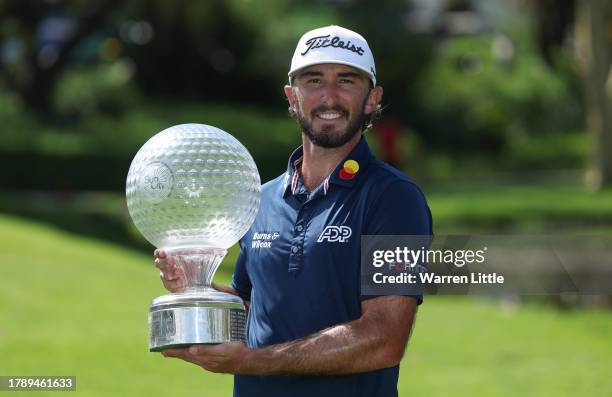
(310, 331)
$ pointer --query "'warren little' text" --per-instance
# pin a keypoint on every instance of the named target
(432, 278)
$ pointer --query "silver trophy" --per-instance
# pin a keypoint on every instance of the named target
(194, 191)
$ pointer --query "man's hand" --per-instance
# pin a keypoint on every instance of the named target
(171, 275)
(222, 358)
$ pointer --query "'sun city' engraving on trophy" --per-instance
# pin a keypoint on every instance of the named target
(156, 181)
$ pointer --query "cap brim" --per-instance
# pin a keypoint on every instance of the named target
(292, 73)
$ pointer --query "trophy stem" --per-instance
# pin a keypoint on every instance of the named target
(199, 266)
(199, 313)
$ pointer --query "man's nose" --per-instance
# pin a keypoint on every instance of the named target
(329, 94)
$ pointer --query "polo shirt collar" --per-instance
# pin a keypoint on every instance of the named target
(346, 173)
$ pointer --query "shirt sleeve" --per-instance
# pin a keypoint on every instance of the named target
(240, 279)
(401, 209)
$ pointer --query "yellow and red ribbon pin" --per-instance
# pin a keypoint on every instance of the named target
(349, 170)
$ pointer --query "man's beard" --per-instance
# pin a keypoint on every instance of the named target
(325, 138)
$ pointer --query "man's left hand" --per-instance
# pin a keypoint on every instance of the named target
(224, 358)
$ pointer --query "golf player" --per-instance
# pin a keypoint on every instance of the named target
(310, 332)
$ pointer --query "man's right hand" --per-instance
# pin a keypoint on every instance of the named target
(171, 275)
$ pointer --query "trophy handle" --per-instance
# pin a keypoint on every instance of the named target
(199, 265)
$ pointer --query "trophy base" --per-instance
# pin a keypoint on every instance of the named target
(184, 319)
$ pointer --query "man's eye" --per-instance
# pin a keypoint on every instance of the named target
(346, 81)
(314, 81)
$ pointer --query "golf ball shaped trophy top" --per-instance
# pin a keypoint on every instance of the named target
(194, 191)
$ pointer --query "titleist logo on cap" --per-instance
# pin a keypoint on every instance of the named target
(325, 41)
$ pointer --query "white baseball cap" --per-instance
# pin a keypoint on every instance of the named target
(333, 44)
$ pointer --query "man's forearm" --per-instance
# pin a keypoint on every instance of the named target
(230, 290)
(224, 288)
(357, 346)
(376, 340)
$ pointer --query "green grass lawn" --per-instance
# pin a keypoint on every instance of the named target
(70, 305)
(521, 209)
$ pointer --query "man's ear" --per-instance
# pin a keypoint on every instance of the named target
(374, 98)
(290, 97)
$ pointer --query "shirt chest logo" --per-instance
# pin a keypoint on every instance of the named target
(335, 234)
(264, 239)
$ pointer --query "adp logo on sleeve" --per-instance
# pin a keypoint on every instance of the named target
(335, 234)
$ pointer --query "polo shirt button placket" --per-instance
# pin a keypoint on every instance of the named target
(297, 246)
(295, 260)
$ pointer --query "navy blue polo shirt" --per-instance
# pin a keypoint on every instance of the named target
(299, 263)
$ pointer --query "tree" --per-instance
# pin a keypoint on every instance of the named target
(592, 20)
(594, 54)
